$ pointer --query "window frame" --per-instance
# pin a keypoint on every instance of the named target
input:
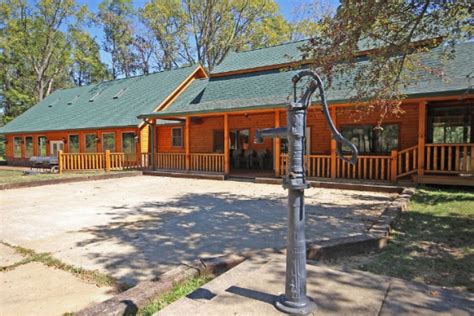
(373, 137)
(39, 145)
(181, 137)
(26, 148)
(78, 143)
(115, 141)
(15, 144)
(85, 143)
(134, 141)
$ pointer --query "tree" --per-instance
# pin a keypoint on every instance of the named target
(394, 35)
(86, 67)
(204, 31)
(116, 16)
(35, 50)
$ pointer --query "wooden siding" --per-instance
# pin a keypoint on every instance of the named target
(64, 135)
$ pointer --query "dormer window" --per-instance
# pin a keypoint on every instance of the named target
(120, 93)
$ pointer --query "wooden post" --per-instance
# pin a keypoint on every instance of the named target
(276, 145)
(187, 143)
(152, 143)
(393, 166)
(60, 161)
(421, 137)
(226, 145)
(333, 146)
(107, 160)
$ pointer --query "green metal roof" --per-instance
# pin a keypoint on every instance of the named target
(279, 54)
(114, 103)
(273, 88)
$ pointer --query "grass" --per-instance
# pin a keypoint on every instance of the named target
(177, 292)
(432, 243)
(94, 277)
(16, 176)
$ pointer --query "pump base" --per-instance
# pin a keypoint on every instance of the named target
(286, 306)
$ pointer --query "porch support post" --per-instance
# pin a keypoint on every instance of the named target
(276, 145)
(333, 146)
(187, 142)
(421, 137)
(152, 143)
(226, 145)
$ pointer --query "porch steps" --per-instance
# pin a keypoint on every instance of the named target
(445, 180)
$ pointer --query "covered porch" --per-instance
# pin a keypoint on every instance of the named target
(433, 141)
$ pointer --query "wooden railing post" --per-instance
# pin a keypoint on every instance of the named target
(393, 169)
(276, 145)
(226, 145)
(107, 160)
(187, 143)
(421, 137)
(333, 146)
(60, 161)
(152, 144)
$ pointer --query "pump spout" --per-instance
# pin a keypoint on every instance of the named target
(260, 134)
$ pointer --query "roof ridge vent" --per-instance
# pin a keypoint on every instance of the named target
(73, 99)
(120, 93)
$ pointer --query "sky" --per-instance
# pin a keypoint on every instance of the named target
(287, 9)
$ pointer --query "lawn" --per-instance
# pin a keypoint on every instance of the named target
(15, 176)
(432, 243)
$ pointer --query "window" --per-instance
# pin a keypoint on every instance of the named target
(42, 146)
(370, 139)
(91, 143)
(450, 124)
(108, 142)
(74, 144)
(128, 143)
(218, 143)
(177, 137)
(28, 146)
(17, 147)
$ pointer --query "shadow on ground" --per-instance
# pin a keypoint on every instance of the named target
(201, 225)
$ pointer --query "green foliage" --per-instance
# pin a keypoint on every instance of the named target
(2, 148)
(178, 291)
(205, 31)
(86, 67)
(41, 47)
(394, 34)
(116, 18)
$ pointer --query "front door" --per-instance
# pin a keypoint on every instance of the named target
(56, 145)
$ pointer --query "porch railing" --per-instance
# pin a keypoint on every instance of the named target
(407, 162)
(81, 161)
(170, 161)
(207, 162)
(449, 158)
(102, 161)
(317, 166)
(367, 167)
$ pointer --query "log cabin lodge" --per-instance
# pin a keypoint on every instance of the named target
(189, 121)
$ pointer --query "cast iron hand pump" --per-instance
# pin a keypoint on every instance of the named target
(295, 300)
